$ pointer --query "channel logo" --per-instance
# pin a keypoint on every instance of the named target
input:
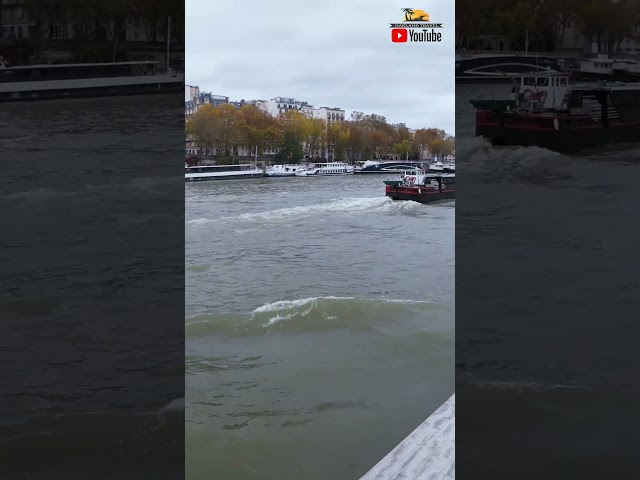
(415, 27)
(399, 35)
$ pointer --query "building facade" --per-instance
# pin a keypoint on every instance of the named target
(329, 114)
(198, 99)
(27, 38)
(274, 107)
(279, 105)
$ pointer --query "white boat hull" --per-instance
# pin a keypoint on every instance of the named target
(283, 170)
(198, 177)
(318, 172)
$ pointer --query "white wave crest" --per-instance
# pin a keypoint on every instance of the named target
(342, 205)
(287, 309)
(289, 304)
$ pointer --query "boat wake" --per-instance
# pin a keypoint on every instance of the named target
(478, 155)
(311, 314)
(339, 206)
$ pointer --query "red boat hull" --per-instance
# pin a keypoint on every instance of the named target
(419, 194)
(563, 133)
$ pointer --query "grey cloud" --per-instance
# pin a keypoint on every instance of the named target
(330, 53)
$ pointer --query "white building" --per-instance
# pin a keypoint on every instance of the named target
(198, 99)
(307, 110)
(428, 156)
(260, 105)
(328, 114)
(279, 105)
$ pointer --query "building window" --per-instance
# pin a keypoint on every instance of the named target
(55, 32)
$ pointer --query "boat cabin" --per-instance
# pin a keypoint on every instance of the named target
(601, 65)
(538, 92)
(216, 168)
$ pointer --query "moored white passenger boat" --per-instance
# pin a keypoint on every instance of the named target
(436, 167)
(220, 172)
(334, 168)
(283, 170)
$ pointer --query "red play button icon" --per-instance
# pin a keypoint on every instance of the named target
(399, 35)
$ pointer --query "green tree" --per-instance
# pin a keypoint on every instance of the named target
(338, 135)
(317, 138)
(290, 150)
(403, 148)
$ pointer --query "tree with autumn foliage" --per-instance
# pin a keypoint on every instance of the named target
(423, 139)
(606, 22)
(338, 135)
(317, 139)
(226, 131)
(99, 26)
(257, 130)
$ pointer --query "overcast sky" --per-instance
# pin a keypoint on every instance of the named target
(335, 53)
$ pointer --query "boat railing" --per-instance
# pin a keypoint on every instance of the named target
(486, 96)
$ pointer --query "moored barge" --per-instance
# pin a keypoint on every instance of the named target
(545, 111)
(42, 82)
(198, 173)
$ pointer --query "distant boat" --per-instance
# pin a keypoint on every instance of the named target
(37, 82)
(283, 170)
(375, 166)
(626, 70)
(595, 68)
(220, 172)
(502, 67)
(331, 169)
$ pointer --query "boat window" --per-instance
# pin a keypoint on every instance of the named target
(528, 81)
(563, 82)
(543, 81)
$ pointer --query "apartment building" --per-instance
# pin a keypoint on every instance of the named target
(329, 114)
(198, 99)
(279, 105)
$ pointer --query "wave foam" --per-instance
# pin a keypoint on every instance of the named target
(305, 315)
(338, 206)
(324, 306)
(287, 304)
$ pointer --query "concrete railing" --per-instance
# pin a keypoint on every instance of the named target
(428, 453)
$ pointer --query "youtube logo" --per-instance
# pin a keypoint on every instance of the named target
(399, 35)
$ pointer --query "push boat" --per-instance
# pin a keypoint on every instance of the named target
(331, 169)
(421, 186)
(220, 172)
(546, 111)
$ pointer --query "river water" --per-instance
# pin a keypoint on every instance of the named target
(562, 233)
(92, 287)
(319, 325)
